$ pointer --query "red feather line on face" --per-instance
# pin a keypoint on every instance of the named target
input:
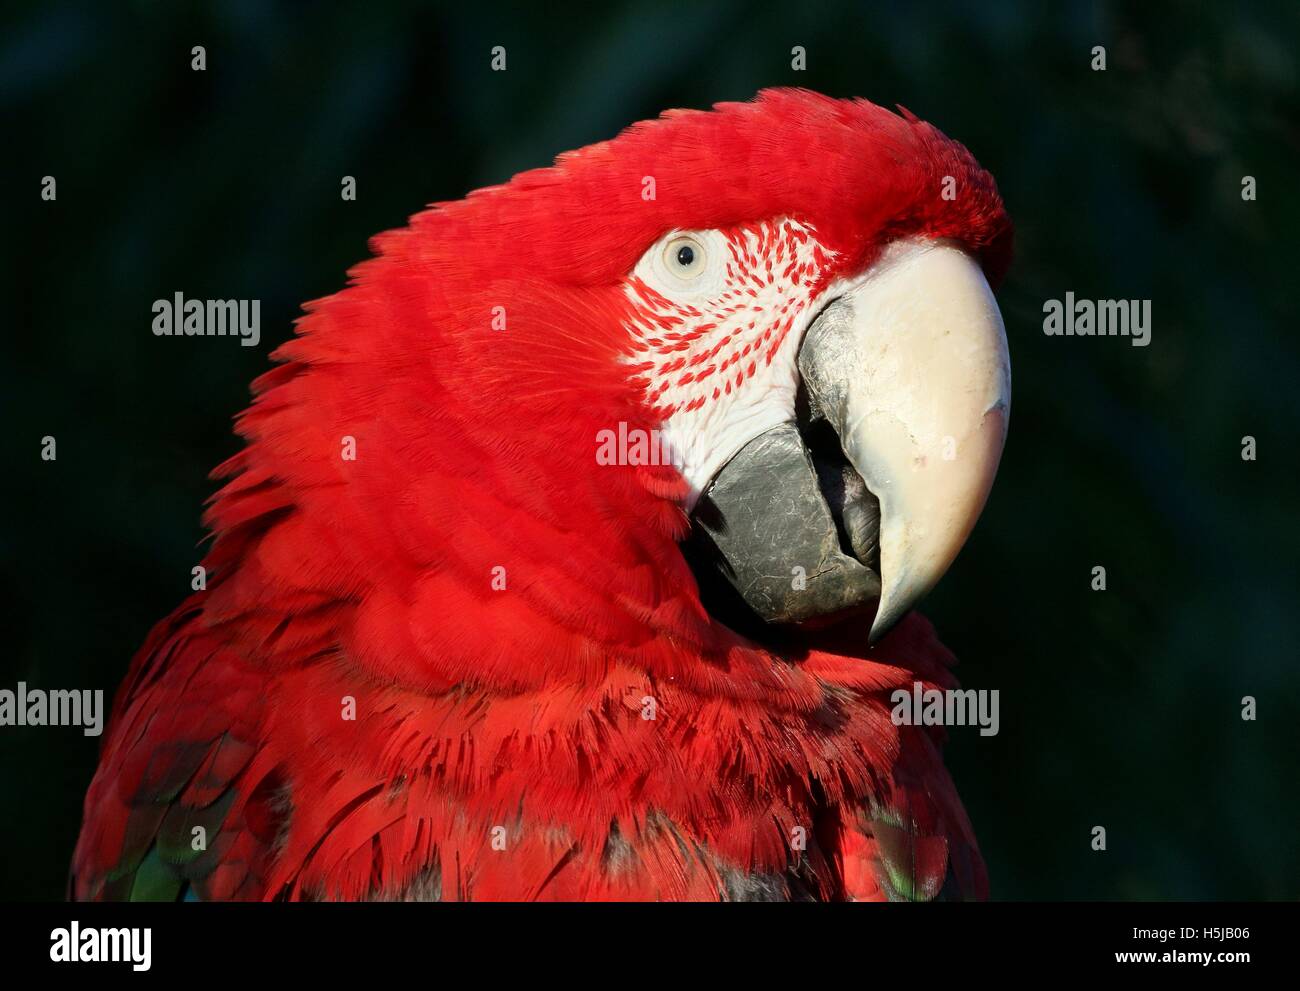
(773, 274)
(371, 579)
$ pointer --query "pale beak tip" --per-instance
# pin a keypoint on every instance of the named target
(887, 617)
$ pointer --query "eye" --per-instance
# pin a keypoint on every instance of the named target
(687, 266)
(685, 257)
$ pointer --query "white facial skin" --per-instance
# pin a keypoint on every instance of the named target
(716, 336)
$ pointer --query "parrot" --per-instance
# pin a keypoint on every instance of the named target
(571, 549)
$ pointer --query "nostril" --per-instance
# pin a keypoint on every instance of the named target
(855, 510)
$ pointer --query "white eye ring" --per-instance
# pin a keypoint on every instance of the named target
(688, 266)
(685, 256)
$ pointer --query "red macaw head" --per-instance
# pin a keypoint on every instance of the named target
(787, 300)
(759, 338)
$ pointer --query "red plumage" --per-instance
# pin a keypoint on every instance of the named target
(521, 709)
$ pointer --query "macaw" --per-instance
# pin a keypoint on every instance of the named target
(450, 648)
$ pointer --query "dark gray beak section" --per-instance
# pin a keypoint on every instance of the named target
(790, 531)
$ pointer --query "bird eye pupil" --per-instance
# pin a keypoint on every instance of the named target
(685, 255)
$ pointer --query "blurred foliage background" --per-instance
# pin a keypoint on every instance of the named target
(1119, 709)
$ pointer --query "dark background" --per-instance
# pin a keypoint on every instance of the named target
(1119, 708)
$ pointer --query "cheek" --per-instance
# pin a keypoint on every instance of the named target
(688, 361)
(693, 354)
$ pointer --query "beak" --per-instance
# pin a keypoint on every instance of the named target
(872, 494)
(911, 369)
